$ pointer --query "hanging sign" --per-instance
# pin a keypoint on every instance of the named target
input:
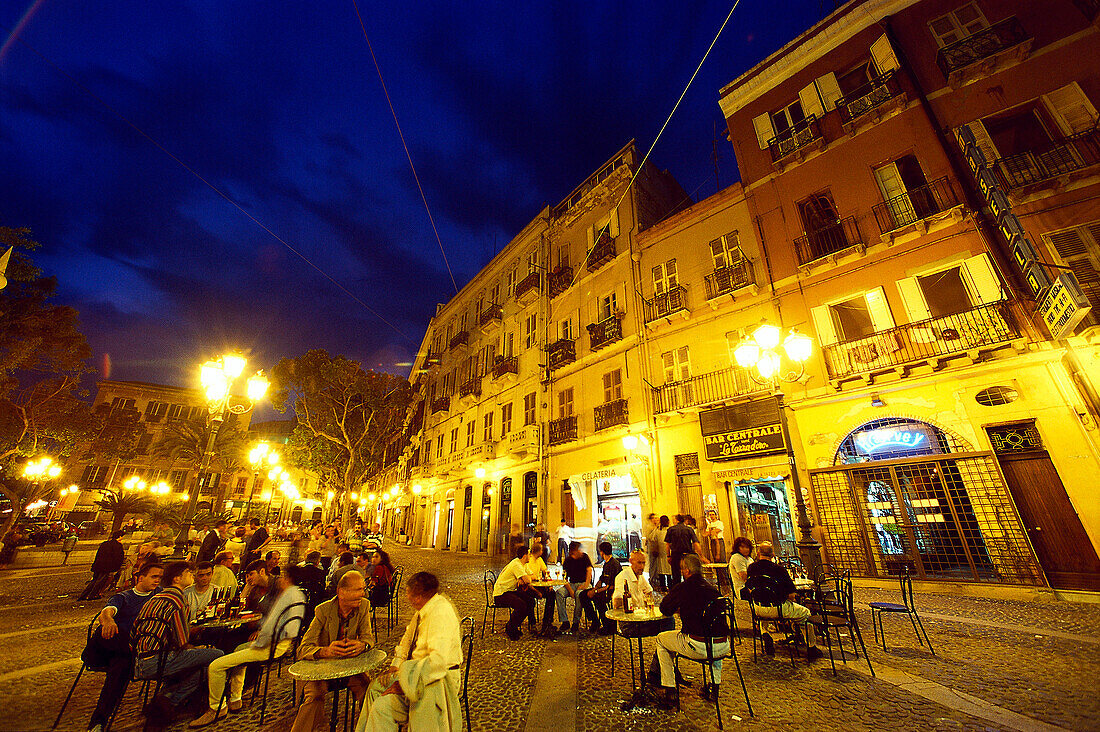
(742, 430)
(1064, 306)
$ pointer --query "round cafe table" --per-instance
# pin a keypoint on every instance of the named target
(225, 633)
(641, 623)
(332, 669)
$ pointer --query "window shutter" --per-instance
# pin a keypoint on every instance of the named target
(764, 129)
(882, 53)
(718, 252)
(1071, 109)
(670, 273)
(685, 363)
(913, 298)
(811, 101)
(984, 141)
(658, 280)
(669, 362)
(829, 90)
(613, 223)
(984, 284)
(879, 309)
(1073, 249)
(823, 324)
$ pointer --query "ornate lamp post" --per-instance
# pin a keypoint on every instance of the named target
(259, 456)
(218, 379)
(39, 471)
(761, 355)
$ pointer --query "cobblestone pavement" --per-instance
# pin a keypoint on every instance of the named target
(1024, 669)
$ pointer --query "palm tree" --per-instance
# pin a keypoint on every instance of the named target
(163, 513)
(121, 505)
(186, 441)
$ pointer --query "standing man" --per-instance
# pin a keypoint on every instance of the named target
(340, 629)
(512, 590)
(256, 543)
(214, 541)
(420, 688)
(578, 573)
(543, 538)
(599, 597)
(198, 595)
(185, 665)
(716, 537)
(564, 535)
(654, 548)
(108, 562)
(110, 643)
(223, 570)
(681, 542)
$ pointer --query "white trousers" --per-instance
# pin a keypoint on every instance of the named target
(791, 611)
(674, 643)
(232, 665)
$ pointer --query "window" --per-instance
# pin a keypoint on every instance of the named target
(177, 480)
(479, 305)
(529, 409)
(463, 321)
(121, 403)
(533, 261)
(902, 185)
(1079, 249)
(471, 428)
(450, 332)
(664, 277)
(530, 329)
(956, 289)
(93, 475)
(510, 282)
(607, 306)
(439, 447)
(494, 294)
(505, 419)
(725, 251)
(676, 364)
(487, 423)
(567, 329)
(613, 385)
(817, 98)
(156, 409)
(787, 117)
(958, 24)
(178, 411)
(507, 345)
(454, 440)
(565, 403)
(1031, 127)
(856, 77)
(854, 318)
(818, 212)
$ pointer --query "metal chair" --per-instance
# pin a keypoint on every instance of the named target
(763, 591)
(393, 609)
(156, 631)
(83, 666)
(836, 610)
(488, 580)
(468, 649)
(718, 620)
(289, 615)
(908, 608)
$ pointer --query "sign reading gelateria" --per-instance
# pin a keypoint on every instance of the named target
(744, 443)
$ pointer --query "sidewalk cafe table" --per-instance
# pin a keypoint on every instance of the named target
(642, 623)
(332, 669)
(217, 630)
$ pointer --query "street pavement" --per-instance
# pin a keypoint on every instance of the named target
(999, 665)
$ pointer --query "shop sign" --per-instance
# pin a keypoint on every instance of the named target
(891, 439)
(744, 443)
(1064, 305)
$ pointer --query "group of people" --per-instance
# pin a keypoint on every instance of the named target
(667, 543)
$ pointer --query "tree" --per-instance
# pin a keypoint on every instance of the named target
(42, 359)
(164, 513)
(186, 441)
(339, 406)
(121, 505)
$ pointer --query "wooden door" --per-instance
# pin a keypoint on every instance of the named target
(1061, 544)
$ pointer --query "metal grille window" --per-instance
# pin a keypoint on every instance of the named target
(995, 396)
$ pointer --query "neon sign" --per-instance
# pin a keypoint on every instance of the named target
(890, 438)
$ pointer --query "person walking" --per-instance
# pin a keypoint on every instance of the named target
(564, 535)
(107, 564)
(681, 541)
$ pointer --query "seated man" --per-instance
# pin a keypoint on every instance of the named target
(199, 594)
(375, 538)
(420, 688)
(288, 612)
(632, 580)
(273, 558)
(785, 604)
(340, 629)
(578, 571)
(599, 597)
(223, 571)
(537, 569)
(110, 644)
(512, 590)
(690, 599)
(185, 665)
(344, 564)
(313, 580)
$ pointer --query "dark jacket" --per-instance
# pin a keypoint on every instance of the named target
(690, 598)
(109, 557)
(212, 543)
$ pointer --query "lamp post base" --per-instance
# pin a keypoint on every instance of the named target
(809, 551)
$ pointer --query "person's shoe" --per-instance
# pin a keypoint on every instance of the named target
(606, 630)
(235, 706)
(564, 627)
(769, 644)
(681, 681)
(160, 710)
(209, 718)
(813, 653)
(667, 699)
(96, 728)
(513, 634)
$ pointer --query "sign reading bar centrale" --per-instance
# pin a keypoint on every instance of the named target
(742, 430)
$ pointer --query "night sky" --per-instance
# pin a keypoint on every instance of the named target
(505, 107)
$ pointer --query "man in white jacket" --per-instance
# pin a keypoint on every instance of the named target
(420, 688)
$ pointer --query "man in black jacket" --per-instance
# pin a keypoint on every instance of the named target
(108, 561)
(681, 542)
(599, 597)
(214, 541)
(782, 604)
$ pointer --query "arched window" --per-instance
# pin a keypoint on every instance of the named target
(895, 437)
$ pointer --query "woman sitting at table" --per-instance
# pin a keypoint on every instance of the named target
(537, 570)
(739, 564)
(380, 579)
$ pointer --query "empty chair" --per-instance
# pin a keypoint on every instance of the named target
(836, 610)
(908, 607)
(763, 591)
(83, 666)
(488, 580)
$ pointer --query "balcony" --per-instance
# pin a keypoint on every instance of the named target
(602, 252)
(560, 279)
(490, 318)
(461, 339)
(673, 300)
(698, 391)
(970, 332)
(562, 353)
(442, 404)
(915, 205)
(605, 332)
(503, 366)
(524, 441)
(611, 414)
(433, 360)
(528, 288)
(872, 101)
(985, 52)
(481, 451)
(1089, 8)
(1047, 163)
(796, 142)
(827, 240)
(727, 280)
(563, 430)
(470, 388)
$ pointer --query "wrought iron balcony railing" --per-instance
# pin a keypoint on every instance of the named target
(868, 97)
(502, 366)
(563, 430)
(1049, 161)
(982, 45)
(672, 300)
(490, 315)
(562, 353)
(528, 285)
(725, 280)
(605, 332)
(717, 386)
(981, 327)
(461, 338)
(915, 204)
(442, 404)
(560, 280)
(828, 240)
(470, 387)
(602, 252)
(610, 414)
(794, 138)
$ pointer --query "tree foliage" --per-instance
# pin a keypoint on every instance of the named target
(122, 505)
(164, 513)
(186, 441)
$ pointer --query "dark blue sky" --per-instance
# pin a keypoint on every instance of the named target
(505, 107)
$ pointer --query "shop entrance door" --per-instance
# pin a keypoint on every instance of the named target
(690, 489)
(1060, 542)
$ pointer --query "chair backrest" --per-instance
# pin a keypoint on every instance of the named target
(468, 650)
(488, 580)
(906, 582)
(763, 590)
(91, 628)
(717, 620)
(152, 634)
(293, 613)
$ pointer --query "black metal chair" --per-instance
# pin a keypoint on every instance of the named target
(393, 609)
(289, 615)
(718, 621)
(908, 607)
(468, 649)
(835, 610)
(764, 592)
(83, 666)
(156, 631)
(374, 607)
(488, 580)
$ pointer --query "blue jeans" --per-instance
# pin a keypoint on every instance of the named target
(187, 669)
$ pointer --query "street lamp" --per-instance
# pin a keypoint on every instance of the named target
(761, 355)
(259, 456)
(38, 471)
(218, 379)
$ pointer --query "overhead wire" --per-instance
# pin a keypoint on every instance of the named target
(363, 27)
(209, 185)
